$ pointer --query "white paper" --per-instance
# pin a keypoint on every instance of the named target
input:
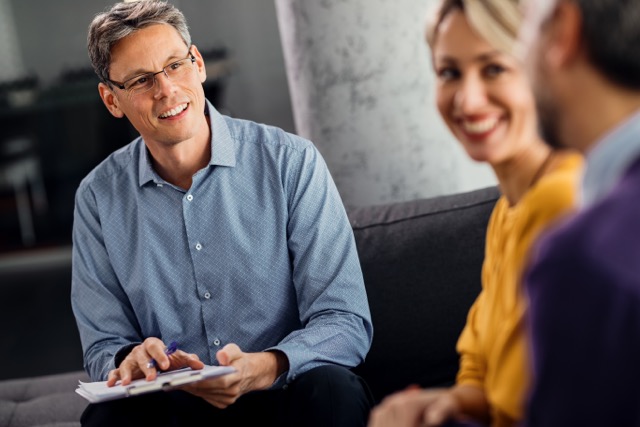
(99, 392)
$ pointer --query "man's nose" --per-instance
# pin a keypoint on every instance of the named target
(163, 85)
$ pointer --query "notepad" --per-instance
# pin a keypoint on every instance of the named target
(98, 391)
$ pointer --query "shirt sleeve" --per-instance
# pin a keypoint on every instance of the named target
(328, 281)
(473, 366)
(104, 315)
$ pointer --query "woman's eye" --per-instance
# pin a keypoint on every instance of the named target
(448, 73)
(494, 70)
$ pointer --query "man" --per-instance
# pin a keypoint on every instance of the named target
(584, 282)
(226, 236)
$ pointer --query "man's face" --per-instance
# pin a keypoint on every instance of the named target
(531, 49)
(173, 110)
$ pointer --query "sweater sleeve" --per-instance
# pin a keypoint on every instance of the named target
(472, 362)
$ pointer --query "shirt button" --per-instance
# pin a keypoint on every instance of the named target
(198, 246)
(216, 342)
(189, 197)
(207, 295)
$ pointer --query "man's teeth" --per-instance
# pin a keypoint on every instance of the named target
(179, 109)
(480, 126)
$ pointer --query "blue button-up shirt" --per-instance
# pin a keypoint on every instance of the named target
(258, 252)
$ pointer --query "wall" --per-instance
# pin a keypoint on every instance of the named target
(52, 37)
(9, 48)
(359, 74)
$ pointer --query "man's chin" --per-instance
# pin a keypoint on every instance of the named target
(548, 123)
(551, 138)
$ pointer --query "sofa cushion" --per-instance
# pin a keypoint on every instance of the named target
(421, 262)
(43, 401)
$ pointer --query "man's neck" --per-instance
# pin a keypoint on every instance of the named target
(177, 163)
(178, 166)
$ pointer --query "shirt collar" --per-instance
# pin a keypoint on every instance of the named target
(222, 148)
(607, 162)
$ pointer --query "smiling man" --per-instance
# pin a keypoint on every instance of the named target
(224, 235)
(584, 284)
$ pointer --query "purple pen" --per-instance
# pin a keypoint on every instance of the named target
(168, 351)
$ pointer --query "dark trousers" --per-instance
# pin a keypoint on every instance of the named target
(324, 397)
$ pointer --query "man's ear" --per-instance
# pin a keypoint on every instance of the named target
(199, 63)
(110, 100)
(564, 42)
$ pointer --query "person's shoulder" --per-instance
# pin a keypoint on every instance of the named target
(258, 134)
(607, 230)
(112, 166)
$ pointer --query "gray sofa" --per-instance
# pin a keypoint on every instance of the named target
(421, 262)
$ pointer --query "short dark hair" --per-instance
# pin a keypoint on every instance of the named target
(123, 19)
(611, 32)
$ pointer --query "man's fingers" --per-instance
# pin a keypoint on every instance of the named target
(153, 348)
(218, 399)
(228, 354)
(113, 377)
(180, 359)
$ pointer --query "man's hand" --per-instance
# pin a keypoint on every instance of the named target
(134, 366)
(254, 371)
(415, 407)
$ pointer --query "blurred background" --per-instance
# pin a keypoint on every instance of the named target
(354, 76)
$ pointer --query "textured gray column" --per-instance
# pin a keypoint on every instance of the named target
(362, 90)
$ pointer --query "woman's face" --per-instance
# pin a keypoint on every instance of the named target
(482, 93)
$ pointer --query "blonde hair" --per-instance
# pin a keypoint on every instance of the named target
(497, 21)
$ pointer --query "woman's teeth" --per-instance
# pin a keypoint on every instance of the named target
(479, 126)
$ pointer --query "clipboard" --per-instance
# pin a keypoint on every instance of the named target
(96, 392)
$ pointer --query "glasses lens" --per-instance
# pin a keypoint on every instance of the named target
(145, 82)
(139, 84)
(178, 68)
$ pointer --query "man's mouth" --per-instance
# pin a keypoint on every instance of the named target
(174, 111)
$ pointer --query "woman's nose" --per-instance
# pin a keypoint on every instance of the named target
(471, 95)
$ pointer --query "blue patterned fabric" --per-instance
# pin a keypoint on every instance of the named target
(258, 252)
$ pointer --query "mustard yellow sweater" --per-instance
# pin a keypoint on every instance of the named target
(493, 346)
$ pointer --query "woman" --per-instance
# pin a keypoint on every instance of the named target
(485, 100)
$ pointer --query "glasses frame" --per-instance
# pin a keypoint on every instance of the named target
(151, 74)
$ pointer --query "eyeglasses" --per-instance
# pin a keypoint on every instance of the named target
(145, 82)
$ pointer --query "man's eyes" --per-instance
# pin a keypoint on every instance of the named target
(140, 81)
(176, 65)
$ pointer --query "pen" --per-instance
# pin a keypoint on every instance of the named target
(168, 351)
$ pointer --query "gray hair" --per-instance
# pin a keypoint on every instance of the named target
(497, 21)
(611, 34)
(123, 19)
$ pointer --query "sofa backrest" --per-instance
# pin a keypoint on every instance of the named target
(421, 262)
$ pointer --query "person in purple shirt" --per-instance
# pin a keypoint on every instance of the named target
(584, 280)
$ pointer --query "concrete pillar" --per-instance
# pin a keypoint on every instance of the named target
(362, 90)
